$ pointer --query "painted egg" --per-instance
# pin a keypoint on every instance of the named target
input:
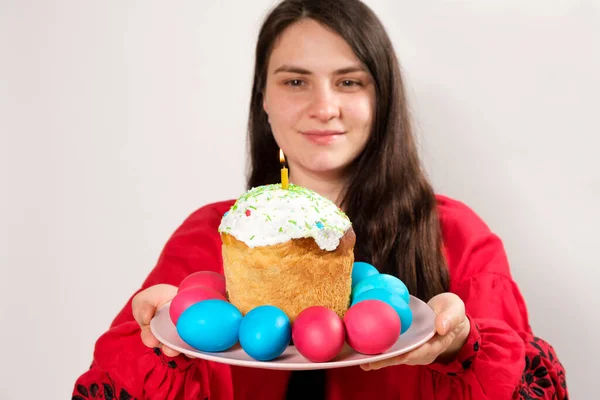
(382, 281)
(394, 300)
(210, 325)
(362, 270)
(209, 279)
(192, 295)
(318, 334)
(265, 332)
(372, 327)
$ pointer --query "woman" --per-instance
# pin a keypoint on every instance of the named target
(328, 91)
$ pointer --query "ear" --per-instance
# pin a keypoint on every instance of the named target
(265, 105)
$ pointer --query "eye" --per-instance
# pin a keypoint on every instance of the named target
(295, 82)
(350, 83)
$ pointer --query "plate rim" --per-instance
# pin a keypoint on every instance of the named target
(275, 365)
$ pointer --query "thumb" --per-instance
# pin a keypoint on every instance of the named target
(144, 312)
(146, 302)
(450, 311)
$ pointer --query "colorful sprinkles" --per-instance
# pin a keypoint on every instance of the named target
(268, 215)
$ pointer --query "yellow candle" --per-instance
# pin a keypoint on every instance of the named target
(284, 178)
(284, 171)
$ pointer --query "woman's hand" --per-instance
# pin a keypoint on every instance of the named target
(144, 306)
(452, 329)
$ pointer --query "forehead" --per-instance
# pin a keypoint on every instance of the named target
(310, 45)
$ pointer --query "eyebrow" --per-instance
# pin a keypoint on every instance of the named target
(302, 71)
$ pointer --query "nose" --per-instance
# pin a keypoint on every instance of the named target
(324, 105)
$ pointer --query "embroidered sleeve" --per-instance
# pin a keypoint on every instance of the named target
(103, 387)
(543, 376)
(500, 346)
(123, 367)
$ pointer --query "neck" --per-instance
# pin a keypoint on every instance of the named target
(329, 184)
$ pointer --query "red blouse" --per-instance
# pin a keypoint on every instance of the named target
(501, 359)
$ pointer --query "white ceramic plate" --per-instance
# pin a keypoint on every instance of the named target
(421, 330)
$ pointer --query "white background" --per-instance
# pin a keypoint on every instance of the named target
(118, 119)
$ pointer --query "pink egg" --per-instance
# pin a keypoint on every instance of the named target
(372, 326)
(318, 334)
(191, 296)
(208, 279)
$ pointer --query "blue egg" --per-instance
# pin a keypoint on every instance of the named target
(394, 300)
(265, 332)
(210, 325)
(382, 281)
(362, 270)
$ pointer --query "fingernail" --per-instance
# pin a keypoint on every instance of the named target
(446, 324)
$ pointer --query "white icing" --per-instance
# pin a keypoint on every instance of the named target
(277, 215)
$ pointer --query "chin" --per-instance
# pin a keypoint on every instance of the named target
(326, 164)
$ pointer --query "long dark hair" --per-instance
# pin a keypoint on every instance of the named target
(389, 200)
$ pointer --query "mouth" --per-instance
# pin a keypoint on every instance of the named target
(322, 137)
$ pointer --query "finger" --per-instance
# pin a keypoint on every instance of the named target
(440, 302)
(143, 312)
(367, 367)
(145, 303)
(384, 363)
(401, 359)
(423, 355)
(169, 352)
(148, 338)
(451, 319)
(450, 310)
(428, 353)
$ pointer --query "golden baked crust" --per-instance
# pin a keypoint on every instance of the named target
(292, 276)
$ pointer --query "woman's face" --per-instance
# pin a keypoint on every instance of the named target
(319, 98)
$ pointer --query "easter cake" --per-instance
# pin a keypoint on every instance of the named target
(291, 248)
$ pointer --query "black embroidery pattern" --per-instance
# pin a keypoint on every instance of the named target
(466, 364)
(107, 392)
(537, 382)
(171, 364)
